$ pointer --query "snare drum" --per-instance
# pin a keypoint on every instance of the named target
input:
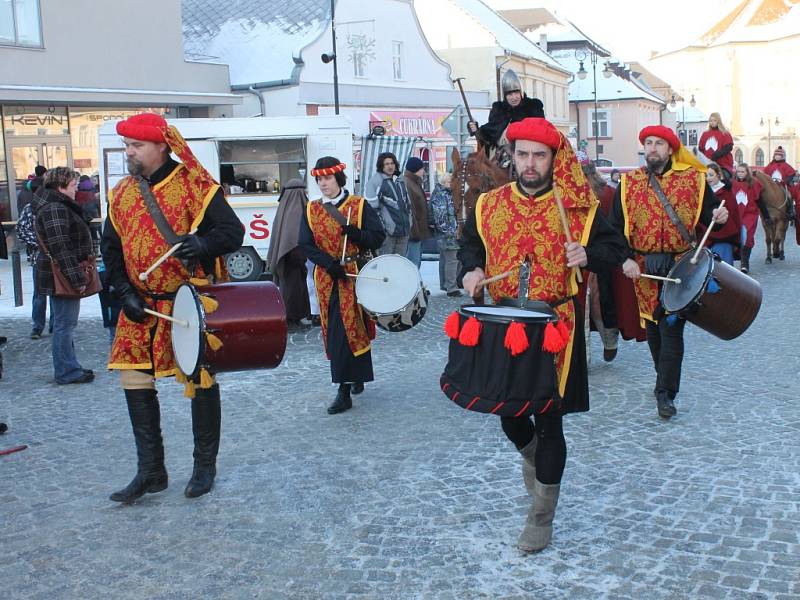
(712, 294)
(488, 377)
(390, 290)
(249, 319)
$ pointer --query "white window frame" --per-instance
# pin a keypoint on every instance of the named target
(590, 122)
(15, 42)
(397, 59)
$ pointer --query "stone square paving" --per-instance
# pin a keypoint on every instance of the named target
(407, 496)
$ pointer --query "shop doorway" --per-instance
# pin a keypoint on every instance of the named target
(25, 153)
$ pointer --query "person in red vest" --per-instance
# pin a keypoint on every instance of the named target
(190, 200)
(781, 172)
(655, 240)
(725, 241)
(747, 191)
(716, 144)
(506, 226)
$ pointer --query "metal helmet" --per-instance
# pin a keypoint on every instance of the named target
(510, 83)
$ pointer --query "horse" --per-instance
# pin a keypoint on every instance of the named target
(473, 176)
(777, 202)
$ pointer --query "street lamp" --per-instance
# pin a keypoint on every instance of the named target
(581, 55)
(684, 129)
(331, 57)
(769, 133)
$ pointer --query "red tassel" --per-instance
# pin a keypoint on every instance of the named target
(553, 342)
(516, 338)
(452, 325)
(562, 329)
(470, 332)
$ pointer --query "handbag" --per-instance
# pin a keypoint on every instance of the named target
(62, 288)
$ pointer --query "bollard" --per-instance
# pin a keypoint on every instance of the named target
(16, 270)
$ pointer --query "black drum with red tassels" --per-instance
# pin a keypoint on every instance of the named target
(501, 358)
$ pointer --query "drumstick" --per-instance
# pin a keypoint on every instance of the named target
(494, 278)
(565, 224)
(670, 279)
(165, 256)
(384, 279)
(344, 245)
(167, 317)
(705, 237)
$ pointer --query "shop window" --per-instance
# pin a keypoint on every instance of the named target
(260, 166)
(5, 198)
(693, 137)
(84, 124)
(20, 23)
(35, 120)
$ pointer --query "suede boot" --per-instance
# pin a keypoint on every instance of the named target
(343, 400)
(151, 476)
(529, 465)
(538, 529)
(206, 421)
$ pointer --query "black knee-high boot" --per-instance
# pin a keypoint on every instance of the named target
(206, 420)
(151, 476)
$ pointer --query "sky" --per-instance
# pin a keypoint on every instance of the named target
(631, 30)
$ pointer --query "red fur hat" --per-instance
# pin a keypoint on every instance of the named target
(535, 129)
(148, 127)
(665, 133)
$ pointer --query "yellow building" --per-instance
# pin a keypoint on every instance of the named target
(744, 68)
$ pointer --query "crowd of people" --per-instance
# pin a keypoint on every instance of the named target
(558, 216)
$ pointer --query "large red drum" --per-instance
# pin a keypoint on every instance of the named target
(248, 318)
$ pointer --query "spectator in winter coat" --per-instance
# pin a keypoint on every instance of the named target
(386, 192)
(442, 217)
(26, 233)
(66, 238)
(420, 231)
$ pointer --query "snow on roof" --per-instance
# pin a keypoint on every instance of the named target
(692, 114)
(258, 39)
(754, 21)
(506, 35)
(608, 88)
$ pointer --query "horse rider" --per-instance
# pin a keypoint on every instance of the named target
(782, 173)
(514, 107)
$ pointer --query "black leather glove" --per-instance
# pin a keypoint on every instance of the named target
(352, 232)
(192, 246)
(336, 271)
(132, 304)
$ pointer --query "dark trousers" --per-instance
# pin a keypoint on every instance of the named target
(551, 447)
(666, 347)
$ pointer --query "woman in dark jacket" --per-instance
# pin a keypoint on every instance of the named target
(67, 240)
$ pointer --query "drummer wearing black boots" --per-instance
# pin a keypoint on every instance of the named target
(158, 205)
(521, 221)
(331, 224)
(661, 208)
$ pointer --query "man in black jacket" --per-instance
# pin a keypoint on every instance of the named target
(514, 107)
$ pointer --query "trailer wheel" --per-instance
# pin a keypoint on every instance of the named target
(244, 264)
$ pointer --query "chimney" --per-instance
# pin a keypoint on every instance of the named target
(543, 41)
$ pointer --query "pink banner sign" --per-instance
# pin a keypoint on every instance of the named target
(412, 124)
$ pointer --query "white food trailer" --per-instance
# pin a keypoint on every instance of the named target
(252, 158)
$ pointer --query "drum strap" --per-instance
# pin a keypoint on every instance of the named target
(156, 213)
(673, 216)
(332, 211)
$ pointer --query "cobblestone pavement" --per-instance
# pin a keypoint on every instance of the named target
(406, 495)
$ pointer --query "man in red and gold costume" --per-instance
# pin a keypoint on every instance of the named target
(655, 241)
(329, 223)
(520, 221)
(161, 203)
